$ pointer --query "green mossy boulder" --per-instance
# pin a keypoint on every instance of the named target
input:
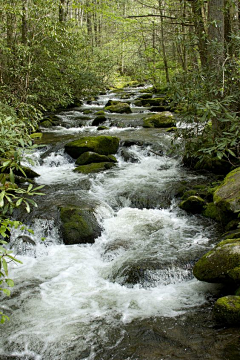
(193, 204)
(46, 124)
(78, 226)
(87, 111)
(234, 274)
(216, 265)
(119, 108)
(227, 310)
(91, 157)
(104, 145)
(100, 112)
(161, 101)
(227, 196)
(94, 167)
(161, 120)
(99, 120)
(101, 128)
(211, 211)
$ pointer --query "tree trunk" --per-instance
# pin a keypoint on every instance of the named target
(24, 21)
(63, 11)
(200, 31)
(216, 33)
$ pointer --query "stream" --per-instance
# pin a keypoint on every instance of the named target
(131, 295)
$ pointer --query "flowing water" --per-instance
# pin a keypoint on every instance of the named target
(131, 295)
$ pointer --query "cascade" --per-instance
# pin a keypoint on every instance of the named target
(131, 294)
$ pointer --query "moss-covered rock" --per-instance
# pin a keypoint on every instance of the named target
(161, 120)
(94, 167)
(227, 310)
(119, 108)
(100, 112)
(161, 101)
(87, 111)
(227, 196)
(234, 274)
(104, 145)
(216, 265)
(99, 120)
(91, 157)
(101, 128)
(211, 211)
(46, 124)
(193, 204)
(78, 226)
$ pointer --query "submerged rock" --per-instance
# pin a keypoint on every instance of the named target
(104, 145)
(161, 120)
(217, 265)
(227, 310)
(78, 226)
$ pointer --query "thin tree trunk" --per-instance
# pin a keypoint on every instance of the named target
(24, 21)
(200, 31)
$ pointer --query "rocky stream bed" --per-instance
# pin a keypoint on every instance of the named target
(113, 278)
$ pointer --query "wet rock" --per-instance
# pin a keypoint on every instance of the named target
(30, 174)
(101, 128)
(128, 156)
(193, 204)
(154, 102)
(99, 120)
(161, 120)
(94, 167)
(214, 164)
(104, 145)
(100, 112)
(158, 108)
(227, 196)
(211, 211)
(91, 157)
(227, 310)
(217, 265)
(78, 226)
(119, 108)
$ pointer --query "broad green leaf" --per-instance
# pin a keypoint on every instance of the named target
(10, 282)
(5, 266)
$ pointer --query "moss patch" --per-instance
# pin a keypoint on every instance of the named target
(227, 310)
(91, 157)
(94, 167)
(193, 204)
(104, 145)
(162, 120)
(216, 264)
(78, 225)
